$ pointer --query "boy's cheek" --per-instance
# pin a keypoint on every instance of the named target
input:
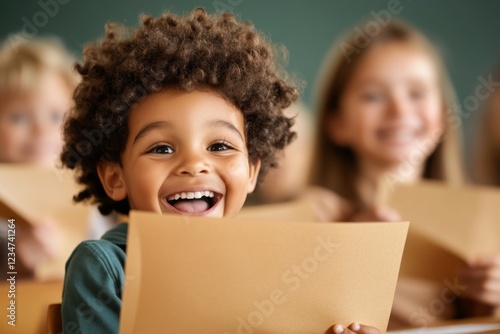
(233, 205)
(236, 178)
(237, 168)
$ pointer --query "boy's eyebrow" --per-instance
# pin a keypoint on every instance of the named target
(225, 124)
(150, 127)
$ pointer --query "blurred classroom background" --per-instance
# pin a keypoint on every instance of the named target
(466, 31)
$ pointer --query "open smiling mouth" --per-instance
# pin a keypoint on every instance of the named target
(193, 202)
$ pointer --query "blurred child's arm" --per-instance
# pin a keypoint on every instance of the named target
(354, 328)
(379, 213)
(92, 288)
(38, 244)
(327, 205)
(482, 278)
(330, 207)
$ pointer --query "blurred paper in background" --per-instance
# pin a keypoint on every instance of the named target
(464, 221)
(30, 193)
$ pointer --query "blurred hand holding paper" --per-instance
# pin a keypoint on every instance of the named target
(31, 193)
(193, 275)
(296, 211)
(465, 220)
(449, 225)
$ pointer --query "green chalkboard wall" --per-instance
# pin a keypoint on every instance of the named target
(468, 32)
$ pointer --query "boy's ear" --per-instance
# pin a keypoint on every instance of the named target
(335, 129)
(111, 177)
(254, 169)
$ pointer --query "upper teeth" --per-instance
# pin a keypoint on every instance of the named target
(191, 195)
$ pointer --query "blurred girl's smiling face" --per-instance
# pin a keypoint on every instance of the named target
(391, 107)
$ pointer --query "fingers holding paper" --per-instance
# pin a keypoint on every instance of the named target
(482, 278)
(354, 328)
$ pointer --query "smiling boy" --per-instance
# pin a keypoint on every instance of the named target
(186, 154)
(196, 104)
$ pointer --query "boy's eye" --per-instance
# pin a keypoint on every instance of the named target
(217, 147)
(161, 149)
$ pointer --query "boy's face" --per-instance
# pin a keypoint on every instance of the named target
(186, 154)
(30, 123)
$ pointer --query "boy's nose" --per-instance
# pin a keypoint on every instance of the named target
(193, 164)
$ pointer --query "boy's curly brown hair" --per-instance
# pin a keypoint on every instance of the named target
(196, 51)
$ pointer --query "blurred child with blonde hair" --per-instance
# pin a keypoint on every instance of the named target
(37, 81)
(36, 85)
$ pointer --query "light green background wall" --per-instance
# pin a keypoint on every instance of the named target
(466, 31)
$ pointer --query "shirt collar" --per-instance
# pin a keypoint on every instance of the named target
(117, 235)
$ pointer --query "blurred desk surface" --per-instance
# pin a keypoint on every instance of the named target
(32, 300)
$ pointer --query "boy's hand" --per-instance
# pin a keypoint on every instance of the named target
(327, 205)
(482, 278)
(378, 213)
(38, 244)
(354, 328)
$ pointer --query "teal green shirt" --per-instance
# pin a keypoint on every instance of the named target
(93, 284)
